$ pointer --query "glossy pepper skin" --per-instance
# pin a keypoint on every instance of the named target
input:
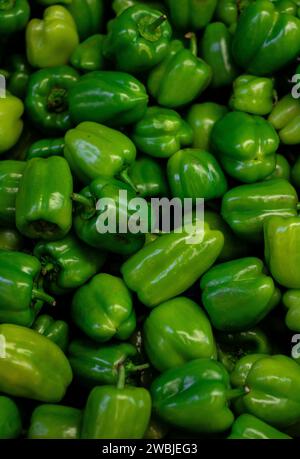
(11, 124)
(47, 99)
(67, 263)
(272, 391)
(87, 56)
(10, 419)
(239, 374)
(265, 41)
(291, 300)
(202, 118)
(14, 16)
(20, 273)
(176, 332)
(246, 146)
(55, 330)
(31, 365)
(227, 12)
(285, 117)
(236, 294)
(57, 30)
(43, 206)
(11, 239)
(246, 207)
(195, 173)
(252, 94)
(281, 243)
(88, 16)
(88, 149)
(57, 422)
(113, 98)
(179, 66)
(103, 309)
(282, 170)
(194, 396)
(95, 365)
(248, 427)
(216, 51)
(11, 172)
(116, 412)
(18, 75)
(188, 15)
(137, 39)
(45, 148)
(171, 264)
(161, 132)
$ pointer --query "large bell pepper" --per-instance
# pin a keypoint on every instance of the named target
(237, 294)
(55, 422)
(282, 250)
(21, 293)
(116, 412)
(14, 15)
(47, 99)
(87, 56)
(161, 132)
(291, 300)
(113, 98)
(10, 419)
(11, 172)
(176, 332)
(88, 16)
(285, 117)
(246, 146)
(265, 41)
(246, 207)
(195, 173)
(45, 148)
(11, 239)
(67, 263)
(189, 15)
(50, 41)
(137, 39)
(253, 95)
(31, 365)
(179, 66)
(195, 396)
(171, 264)
(55, 330)
(11, 124)
(202, 118)
(248, 427)
(43, 204)
(103, 309)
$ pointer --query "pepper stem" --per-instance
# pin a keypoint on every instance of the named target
(41, 295)
(121, 377)
(124, 176)
(134, 368)
(193, 43)
(47, 268)
(235, 393)
(153, 26)
(86, 202)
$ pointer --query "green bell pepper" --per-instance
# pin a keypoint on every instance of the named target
(21, 293)
(11, 239)
(282, 250)
(17, 72)
(216, 51)
(285, 117)
(171, 264)
(88, 16)
(103, 309)
(116, 412)
(252, 94)
(227, 12)
(195, 173)
(195, 396)
(156, 429)
(45, 148)
(202, 118)
(31, 365)
(176, 332)
(51, 41)
(291, 300)
(179, 66)
(67, 263)
(87, 56)
(14, 15)
(282, 170)
(246, 146)
(55, 422)
(47, 99)
(43, 206)
(11, 124)
(137, 39)
(248, 427)
(245, 208)
(189, 15)
(243, 365)
(55, 330)
(11, 172)
(10, 419)
(265, 41)
(237, 294)
(113, 98)
(88, 150)
(161, 132)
